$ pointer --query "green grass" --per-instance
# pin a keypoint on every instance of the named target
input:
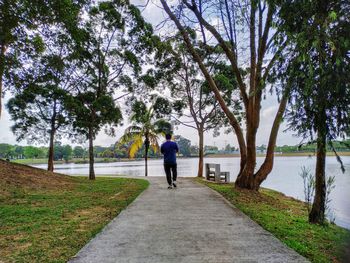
(33, 161)
(286, 218)
(52, 225)
(74, 160)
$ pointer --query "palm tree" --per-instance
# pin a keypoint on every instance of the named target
(144, 130)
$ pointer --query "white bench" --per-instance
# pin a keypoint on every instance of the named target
(213, 173)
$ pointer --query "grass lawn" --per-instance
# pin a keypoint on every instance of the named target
(52, 223)
(286, 218)
(74, 160)
(34, 161)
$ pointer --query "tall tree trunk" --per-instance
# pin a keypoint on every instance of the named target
(2, 69)
(52, 139)
(91, 154)
(252, 102)
(51, 150)
(146, 155)
(267, 165)
(246, 178)
(317, 213)
(242, 164)
(201, 152)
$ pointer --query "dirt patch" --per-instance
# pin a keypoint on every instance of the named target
(23, 176)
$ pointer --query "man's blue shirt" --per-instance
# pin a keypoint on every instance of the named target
(169, 150)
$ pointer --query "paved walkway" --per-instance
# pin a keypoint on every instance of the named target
(189, 224)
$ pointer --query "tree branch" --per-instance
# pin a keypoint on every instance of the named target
(229, 52)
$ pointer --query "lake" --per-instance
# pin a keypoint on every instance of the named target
(284, 177)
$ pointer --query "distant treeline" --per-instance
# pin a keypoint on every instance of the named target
(66, 152)
(339, 146)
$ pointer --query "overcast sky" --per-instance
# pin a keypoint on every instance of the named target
(269, 107)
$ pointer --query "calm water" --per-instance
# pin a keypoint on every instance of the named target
(284, 177)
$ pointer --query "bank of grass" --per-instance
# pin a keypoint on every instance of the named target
(74, 160)
(286, 218)
(34, 161)
(50, 222)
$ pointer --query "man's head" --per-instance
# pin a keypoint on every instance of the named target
(168, 136)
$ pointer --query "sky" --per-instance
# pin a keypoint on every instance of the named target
(155, 15)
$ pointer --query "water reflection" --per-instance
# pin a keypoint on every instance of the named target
(284, 177)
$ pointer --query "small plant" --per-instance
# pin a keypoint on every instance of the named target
(309, 191)
(309, 186)
(330, 185)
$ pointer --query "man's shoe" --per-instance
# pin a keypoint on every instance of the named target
(170, 187)
(174, 184)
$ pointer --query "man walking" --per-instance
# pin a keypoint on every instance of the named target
(169, 150)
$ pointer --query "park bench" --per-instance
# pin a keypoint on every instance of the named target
(213, 173)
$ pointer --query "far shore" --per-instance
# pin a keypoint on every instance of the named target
(294, 154)
(112, 160)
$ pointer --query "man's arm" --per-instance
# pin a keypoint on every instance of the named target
(162, 149)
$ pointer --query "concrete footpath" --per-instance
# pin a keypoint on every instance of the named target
(189, 224)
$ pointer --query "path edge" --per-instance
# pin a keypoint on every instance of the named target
(220, 196)
(76, 256)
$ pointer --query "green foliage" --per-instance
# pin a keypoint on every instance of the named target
(109, 61)
(37, 108)
(208, 149)
(62, 152)
(108, 153)
(230, 149)
(92, 111)
(184, 145)
(145, 127)
(6, 150)
(32, 152)
(339, 146)
(161, 107)
(23, 28)
(79, 152)
(318, 67)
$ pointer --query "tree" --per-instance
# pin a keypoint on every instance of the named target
(79, 152)
(38, 106)
(31, 152)
(194, 150)
(41, 86)
(62, 152)
(115, 31)
(184, 145)
(21, 25)
(197, 107)
(108, 153)
(19, 151)
(91, 112)
(235, 22)
(318, 73)
(145, 129)
(6, 150)
(229, 148)
(121, 151)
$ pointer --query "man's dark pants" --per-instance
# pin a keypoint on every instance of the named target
(168, 168)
